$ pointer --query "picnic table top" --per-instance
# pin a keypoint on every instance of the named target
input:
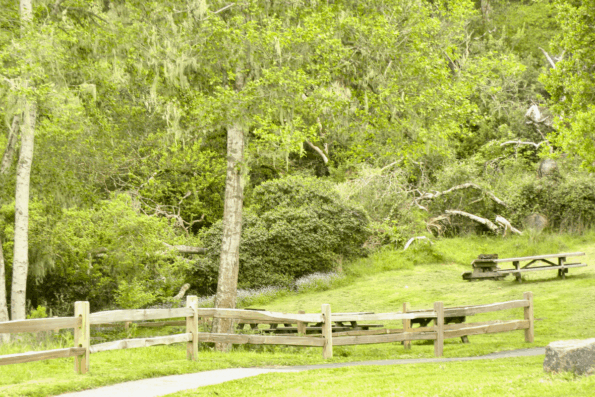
(529, 258)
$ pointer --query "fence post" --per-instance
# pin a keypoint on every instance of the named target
(82, 336)
(192, 327)
(529, 332)
(327, 332)
(301, 326)
(439, 326)
(406, 327)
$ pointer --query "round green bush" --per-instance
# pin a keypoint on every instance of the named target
(294, 227)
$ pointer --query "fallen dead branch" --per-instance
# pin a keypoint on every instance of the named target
(412, 239)
(469, 185)
(506, 225)
(489, 224)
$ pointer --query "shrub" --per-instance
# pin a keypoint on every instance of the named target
(296, 226)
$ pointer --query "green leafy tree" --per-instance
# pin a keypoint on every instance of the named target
(572, 82)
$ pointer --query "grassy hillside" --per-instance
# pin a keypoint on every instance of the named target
(380, 283)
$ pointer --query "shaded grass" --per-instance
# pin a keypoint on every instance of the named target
(503, 377)
(381, 283)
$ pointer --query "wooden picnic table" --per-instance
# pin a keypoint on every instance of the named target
(485, 267)
(316, 328)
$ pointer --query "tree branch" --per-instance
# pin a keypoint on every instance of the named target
(549, 59)
(319, 151)
(186, 249)
(537, 145)
(431, 196)
(490, 225)
(506, 225)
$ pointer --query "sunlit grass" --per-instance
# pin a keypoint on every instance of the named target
(503, 377)
(381, 283)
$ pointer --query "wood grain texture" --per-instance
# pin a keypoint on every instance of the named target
(492, 307)
(385, 316)
(192, 328)
(38, 324)
(504, 326)
(260, 315)
(140, 342)
(327, 332)
(175, 323)
(261, 340)
(539, 268)
(528, 312)
(115, 316)
(537, 257)
(406, 327)
(301, 326)
(439, 325)
(370, 339)
(39, 356)
(82, 337)
(383, 331)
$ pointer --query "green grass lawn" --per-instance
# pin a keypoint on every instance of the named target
(504, 377)
(380, 283)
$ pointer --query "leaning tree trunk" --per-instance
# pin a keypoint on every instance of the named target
(20, 266)
(232, 229)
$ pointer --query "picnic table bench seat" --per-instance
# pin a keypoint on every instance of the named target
(486, 266)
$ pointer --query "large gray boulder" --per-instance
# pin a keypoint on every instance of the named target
(576, 356)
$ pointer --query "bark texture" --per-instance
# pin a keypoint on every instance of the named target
(4, 338)
(21, 221)
(10, 146)
(232, 229)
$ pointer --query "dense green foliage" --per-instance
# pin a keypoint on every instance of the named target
(299, 226)
(387, 100)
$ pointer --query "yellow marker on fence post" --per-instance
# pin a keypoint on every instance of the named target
(529, 332)
(192, 327)
(327, 332)
(82, 336)
(406, 327)
(439, 326)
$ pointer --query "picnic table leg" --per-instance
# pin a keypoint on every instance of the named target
(517, 275)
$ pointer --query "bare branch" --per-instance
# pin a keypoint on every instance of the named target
(506, 225)
(182, 292)
(186, 249)
(549, 59)
(490, 225)
(319, 151)
(518, 143)
(431, 196)
(412, 239)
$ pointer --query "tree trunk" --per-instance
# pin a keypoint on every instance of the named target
(232, 229)
(20, 265)
(10, 146)
(3, 308)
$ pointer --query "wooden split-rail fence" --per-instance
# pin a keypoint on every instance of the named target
(440, 331)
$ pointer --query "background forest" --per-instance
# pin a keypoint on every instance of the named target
(367, 122)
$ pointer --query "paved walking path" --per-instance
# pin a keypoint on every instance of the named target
(170, 384)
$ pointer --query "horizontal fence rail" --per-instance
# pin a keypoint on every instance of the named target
(323, 321)
(38, 324)
(140, 342)
(115, 316)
